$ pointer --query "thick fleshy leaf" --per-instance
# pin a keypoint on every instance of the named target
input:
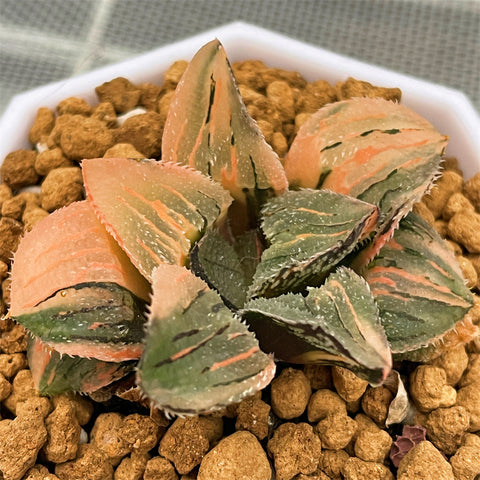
(372, 149)
(198, 355)
(249, 248)
(154, 210)
(336, 323)
(54, 373)
(92, 320)
(418, 286)
(348, 134)
(309, 232)
(208, 127)
(215, 260)
(69, 247)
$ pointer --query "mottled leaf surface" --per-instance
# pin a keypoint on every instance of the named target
(309, 231)
(465, 331)
(93, 320)
(249, 248)
(349, 133)
(336, 323)
(69, 247)
(215, 260)
(372, 149)
(198, 356)
(155, 210)
(208, 127)
(418, 286)
(54, 373)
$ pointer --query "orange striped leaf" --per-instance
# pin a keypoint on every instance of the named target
(336, 323)
(418, 286)
(198, 355)
(154, 210)
(208, 128)
(308, 233)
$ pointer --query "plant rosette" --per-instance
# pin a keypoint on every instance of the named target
(210, 263)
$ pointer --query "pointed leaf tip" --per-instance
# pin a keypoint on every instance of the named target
(155, 210)
(336, 323)
(209, 128)
(198, 356)
(309, 232)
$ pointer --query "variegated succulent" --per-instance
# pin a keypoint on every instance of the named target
(199, 270)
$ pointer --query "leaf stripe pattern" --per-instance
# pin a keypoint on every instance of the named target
(215, 260)
(308, 234)
(371, 149)
(154, 210)
(92, 320)
(209, 128)
(69, 247)
(198, 355)
(54, 373)
(336, 323)
(337, 127)
(418, 286)
(193, 348)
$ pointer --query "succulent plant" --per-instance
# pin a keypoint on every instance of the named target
(200, 269)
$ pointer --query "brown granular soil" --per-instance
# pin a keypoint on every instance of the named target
(312, 422)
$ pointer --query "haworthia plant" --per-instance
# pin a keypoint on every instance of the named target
(54, 373)
(208, 128)
(336, 323)
(288, 262)
(155, 210)
(198, 355)
(308, 232)
(418, 286)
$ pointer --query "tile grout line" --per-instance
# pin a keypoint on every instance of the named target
(92, 43)
(24, 43)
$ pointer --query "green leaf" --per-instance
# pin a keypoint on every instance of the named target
(215, 260)
(154, 210)
(309, 232)
(96, 320)
(248, 247)
(336, 323)
(67, 248)
(209, 128)
(418, 286)
(198, 356)
(54, 373)
(371, 149)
